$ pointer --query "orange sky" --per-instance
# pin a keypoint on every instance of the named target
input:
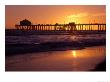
(54, 14)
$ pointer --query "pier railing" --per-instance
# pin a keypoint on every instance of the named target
(70, 28)
(63, 27)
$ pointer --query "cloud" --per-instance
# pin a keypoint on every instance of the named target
(85, 15)
(99, 14)
(78, 15)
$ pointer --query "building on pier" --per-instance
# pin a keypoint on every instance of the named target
(25, 22)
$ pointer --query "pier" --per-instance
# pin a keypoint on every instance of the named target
(64, 28)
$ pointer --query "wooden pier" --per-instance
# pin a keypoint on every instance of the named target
(63, 27)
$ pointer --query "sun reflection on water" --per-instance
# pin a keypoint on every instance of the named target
(74, 54)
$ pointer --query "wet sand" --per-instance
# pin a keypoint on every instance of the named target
(69, 60)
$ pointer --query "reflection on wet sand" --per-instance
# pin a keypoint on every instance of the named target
(74, 54)
(88, 58)
(76, 60)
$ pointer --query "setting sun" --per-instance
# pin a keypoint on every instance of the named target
(76, 17)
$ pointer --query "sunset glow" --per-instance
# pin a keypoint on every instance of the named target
(51, 14)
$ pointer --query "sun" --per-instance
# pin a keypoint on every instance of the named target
(77, 18)
(72, 18)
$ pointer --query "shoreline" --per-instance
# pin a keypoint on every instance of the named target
(14, 49)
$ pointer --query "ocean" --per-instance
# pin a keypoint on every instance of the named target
(68, 59)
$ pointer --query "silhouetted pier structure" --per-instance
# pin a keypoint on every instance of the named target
(71, 27)
(63, 27)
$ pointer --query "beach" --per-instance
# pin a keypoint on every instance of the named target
(67, 60)
(55, 52)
